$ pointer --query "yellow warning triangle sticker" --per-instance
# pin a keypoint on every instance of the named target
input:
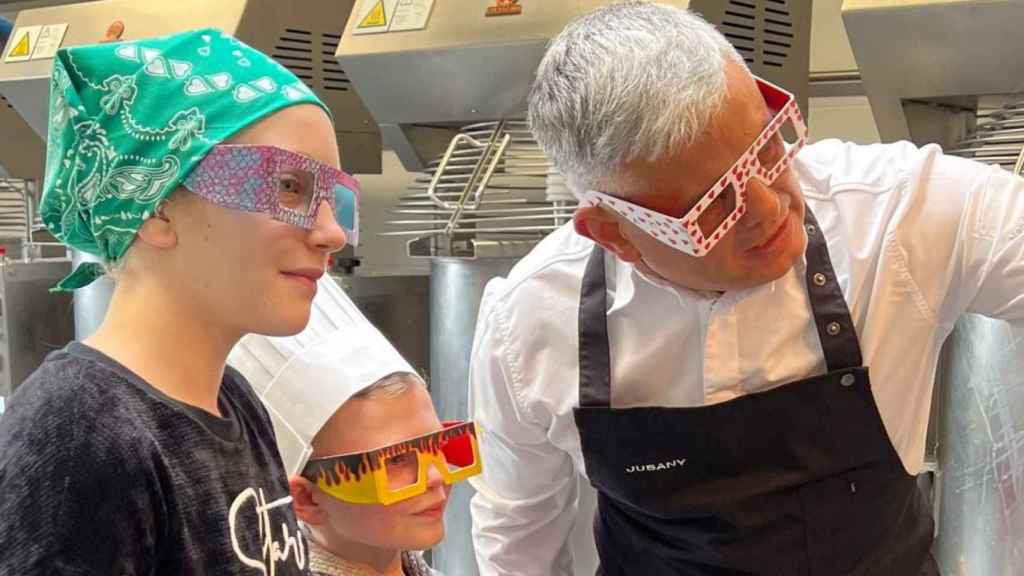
(375, 18)
(21, 48)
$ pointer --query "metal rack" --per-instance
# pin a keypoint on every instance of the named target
(998, 137)
(492, 186)
(22, 232)
(16, 210)
(20, 223)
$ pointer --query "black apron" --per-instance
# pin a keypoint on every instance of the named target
(798, 480)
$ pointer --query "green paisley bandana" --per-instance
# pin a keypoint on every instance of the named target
(129, 121)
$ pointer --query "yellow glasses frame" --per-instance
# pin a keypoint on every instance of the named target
(362, 477)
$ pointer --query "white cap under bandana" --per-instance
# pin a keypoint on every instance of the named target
(304, 379)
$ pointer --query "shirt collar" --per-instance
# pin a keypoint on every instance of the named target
(626, 281)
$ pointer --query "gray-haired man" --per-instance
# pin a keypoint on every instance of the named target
(698, 343)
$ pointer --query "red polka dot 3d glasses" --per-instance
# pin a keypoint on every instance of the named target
(718, 210)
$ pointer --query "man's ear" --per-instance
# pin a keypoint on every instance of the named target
(303, 502)
(605, 228)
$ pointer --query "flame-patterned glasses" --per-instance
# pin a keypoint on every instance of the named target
(287, 186)
(717, 211)
(399, 471)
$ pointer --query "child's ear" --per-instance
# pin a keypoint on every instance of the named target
(158, 231)
(306, 508)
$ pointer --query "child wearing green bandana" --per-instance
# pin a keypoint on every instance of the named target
(206, 175)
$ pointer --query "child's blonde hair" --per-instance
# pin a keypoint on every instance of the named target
(390, 386)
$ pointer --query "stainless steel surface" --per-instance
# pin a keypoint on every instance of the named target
(981, 518)
(33, 322)
(22, 152)
(928, 50)
(303, 40)
(464, 67)
(92, 301)
(456, 286)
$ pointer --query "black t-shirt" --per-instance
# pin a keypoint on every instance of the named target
(101, 474)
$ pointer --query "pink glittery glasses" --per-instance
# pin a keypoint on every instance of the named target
(287, 186)
(718, 210)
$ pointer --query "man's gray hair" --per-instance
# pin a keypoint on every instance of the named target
(630, 81)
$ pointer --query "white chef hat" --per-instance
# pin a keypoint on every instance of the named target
(304, 379)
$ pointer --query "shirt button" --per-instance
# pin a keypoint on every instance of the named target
(819, 279)
(847, 380)
(833, 328)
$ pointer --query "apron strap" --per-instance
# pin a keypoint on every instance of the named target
(595, 360)
(831, 317)
(831, 314)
